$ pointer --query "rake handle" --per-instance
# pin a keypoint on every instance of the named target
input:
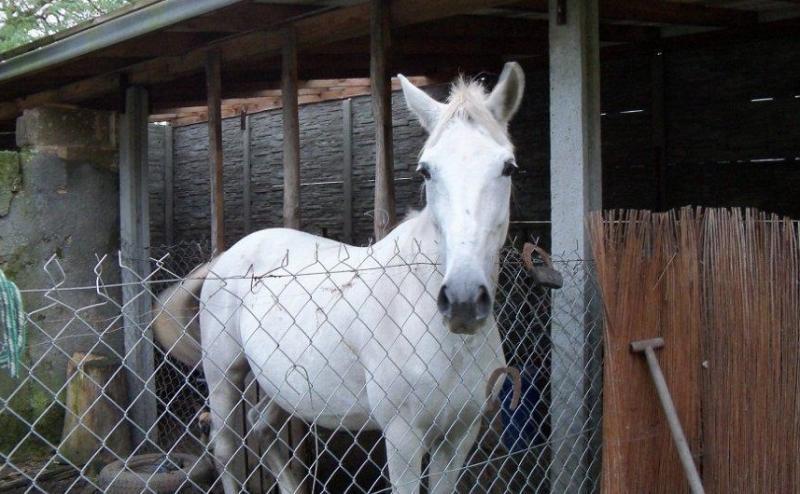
(685, 454)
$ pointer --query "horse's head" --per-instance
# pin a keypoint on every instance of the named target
(467, 163)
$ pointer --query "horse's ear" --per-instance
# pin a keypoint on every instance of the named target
(506, 96)
(423, 106)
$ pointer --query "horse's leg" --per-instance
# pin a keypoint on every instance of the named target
(448, 455)
(225, 383)
(266, 420)
(404, 450)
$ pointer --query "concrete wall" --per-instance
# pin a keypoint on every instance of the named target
(321, 142)
(63, 201)
(716, 141)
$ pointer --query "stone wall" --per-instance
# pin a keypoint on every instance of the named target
(59, 198)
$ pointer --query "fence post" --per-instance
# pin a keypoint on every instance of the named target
(381, 88)
(291, 132)
(347, 171)
(214, 94)
(135, 241)
(575, 188)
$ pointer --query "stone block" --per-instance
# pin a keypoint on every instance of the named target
(72, 134)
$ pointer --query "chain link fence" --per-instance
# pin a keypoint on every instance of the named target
(84, 418)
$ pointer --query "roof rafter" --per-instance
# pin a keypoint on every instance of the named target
(660, 12)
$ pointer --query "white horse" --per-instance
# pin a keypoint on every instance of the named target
(399, 337)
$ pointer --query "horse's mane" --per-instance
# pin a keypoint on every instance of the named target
(467, 101)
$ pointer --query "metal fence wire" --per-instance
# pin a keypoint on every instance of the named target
(72, 413)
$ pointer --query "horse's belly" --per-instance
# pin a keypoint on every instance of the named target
(320, 381)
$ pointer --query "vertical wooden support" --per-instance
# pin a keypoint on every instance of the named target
(575, 188)
(215, 160)
(135, 240)
(381, 84)
(291, 207)
(246, 177)
(347, 171)
(659, 131)
(291, 132)
(169, 186)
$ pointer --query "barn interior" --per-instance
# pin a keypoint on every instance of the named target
(629, 104)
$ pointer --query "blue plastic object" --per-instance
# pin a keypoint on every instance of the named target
(522, 428)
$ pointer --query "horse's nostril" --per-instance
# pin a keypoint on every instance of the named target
(483, 303)
(443, 301)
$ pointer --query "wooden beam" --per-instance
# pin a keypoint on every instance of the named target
(167, 43)
(314, 30)
(478, 28)
(192, 112)
(291, 132)
(411, 44)
(215, 158)
(661, 12)
(134, 197)
(380, 41)
(242, 17)
(82, 90)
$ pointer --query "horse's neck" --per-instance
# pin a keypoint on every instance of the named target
(413, 237)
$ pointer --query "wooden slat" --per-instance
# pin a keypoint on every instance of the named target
(347, 171)
(169, 186)
(291, 133)
(246, 176)
(215, 159)
(380, 39)
(188, 115)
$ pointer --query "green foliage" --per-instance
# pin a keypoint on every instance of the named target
(22, 21)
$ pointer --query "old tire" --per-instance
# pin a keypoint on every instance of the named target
(155, 473)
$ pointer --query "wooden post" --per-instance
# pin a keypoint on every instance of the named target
(96, 395)
(246, 178)
(659, 130)
(169, 186)
(291, 207)
(215, 160)
(347, 171)
(381, 85)
(135, 240)
(291, 132)
(575, 188)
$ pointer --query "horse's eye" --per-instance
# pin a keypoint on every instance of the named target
(424, 171)
(509, 167)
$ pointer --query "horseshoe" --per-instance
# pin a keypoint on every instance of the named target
(511, 372)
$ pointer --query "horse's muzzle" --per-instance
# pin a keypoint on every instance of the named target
(465, 308)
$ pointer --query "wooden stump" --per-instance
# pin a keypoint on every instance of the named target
(96, 397)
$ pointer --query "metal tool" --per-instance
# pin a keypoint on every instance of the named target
(649, 347)
(544, 275)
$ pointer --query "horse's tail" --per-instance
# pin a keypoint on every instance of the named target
(176, 326)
